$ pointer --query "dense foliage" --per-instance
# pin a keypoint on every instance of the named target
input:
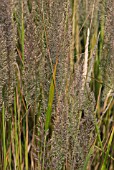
(56, 85)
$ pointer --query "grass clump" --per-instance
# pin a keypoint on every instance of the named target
(56, 85)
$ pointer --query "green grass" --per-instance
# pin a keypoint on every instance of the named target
(50, 100)
(4, 137)
(39, 133)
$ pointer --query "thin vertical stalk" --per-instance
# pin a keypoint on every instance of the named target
(22, 29)
(77, 31)
(26, 143)
(74, 52)
(4, 136)
(16, 134)
(19, 129)
(44, 151)
(85, 69)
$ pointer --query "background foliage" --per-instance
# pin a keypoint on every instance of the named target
(56, 85)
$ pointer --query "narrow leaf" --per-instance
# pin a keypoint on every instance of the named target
(51, 97)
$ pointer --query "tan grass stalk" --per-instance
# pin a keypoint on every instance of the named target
(85, 67)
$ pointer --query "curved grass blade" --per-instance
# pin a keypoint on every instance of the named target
(88, 157)
(104, 165)
(51, 97)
